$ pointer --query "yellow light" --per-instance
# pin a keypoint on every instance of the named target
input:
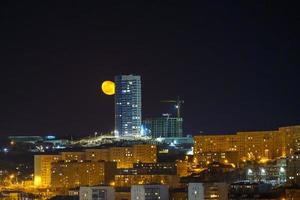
(37, 181)
(108, 87)
(263, 160)
(12, 176)
(112, 184)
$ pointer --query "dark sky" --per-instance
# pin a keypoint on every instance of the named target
(235, 63)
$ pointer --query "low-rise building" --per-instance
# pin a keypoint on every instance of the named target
(123, 193)
(213, 191)
(292, 193)
(249, 190)
(272, 173)
(178, 193)
(97, 193)
(149, 192)
(293, 168)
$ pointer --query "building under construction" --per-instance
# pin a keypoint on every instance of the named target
(165, 126)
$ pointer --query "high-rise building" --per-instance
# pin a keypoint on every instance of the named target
(42, 169)
(164, 126)
(128, 105)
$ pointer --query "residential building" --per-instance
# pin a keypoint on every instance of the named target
(97, 154)
(87, 173)
(149, 192)
(128, 105)
(182, 167)
(273, 173)
(154, 168)
(42, 169)
(144, 153)
(195, 191)
(227, 157)
(256, 145)
(126, 180)
(123, 193)
(127, 156)
(97, 193)
(206, 191)
(89, 167)
(292, 193)
(293, 168)
(250, 190)
(122, 155)
(148, 173)
(72, 156)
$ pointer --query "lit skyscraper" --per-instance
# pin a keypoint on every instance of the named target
(128, 105)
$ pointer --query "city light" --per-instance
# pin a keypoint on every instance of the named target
(264, 160)
(263, 171)
(37, 181)
(250, 172)
(150, 100)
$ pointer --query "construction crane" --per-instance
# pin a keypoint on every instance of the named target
(178, 103)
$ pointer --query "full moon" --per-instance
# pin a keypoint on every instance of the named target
(108, 87)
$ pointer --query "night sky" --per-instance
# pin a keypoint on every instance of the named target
(235, 63)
